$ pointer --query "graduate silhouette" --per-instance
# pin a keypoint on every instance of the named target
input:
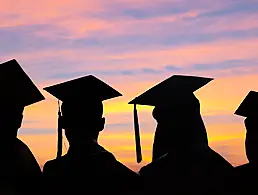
(20, 172)
(247, 174)
(183, 163)
(87, 167)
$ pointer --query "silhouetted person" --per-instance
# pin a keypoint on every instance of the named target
(183, 162)
(247, 174)
(87, 168)
(19, 170)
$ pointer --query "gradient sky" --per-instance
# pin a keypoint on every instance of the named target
(132, 45)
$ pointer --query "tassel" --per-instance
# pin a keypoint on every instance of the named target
(59, 134)
(137, 136)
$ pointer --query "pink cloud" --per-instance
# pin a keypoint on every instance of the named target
(31, 12)
(78, 22)
(157, 58)
(233, 22)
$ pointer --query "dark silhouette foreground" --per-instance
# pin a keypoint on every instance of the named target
(87, 168)
(20, 172)
(183, 163)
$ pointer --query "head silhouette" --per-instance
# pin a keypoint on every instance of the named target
(251, 142)
(179, 126)
(82, 121)
(18, 92)
(11, 119)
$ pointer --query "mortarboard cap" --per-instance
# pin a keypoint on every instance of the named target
(174, 88)
(87, 88)
(169, 92)
(16, 85)
(83, 88)
(249, 106)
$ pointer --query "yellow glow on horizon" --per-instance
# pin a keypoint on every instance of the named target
(123, 147)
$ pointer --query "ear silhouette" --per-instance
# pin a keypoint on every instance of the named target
(103, 121)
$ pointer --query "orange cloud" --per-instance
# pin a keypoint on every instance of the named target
(232, 150)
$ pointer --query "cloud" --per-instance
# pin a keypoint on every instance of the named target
(227, 64)
(25, 38)
(150, 71)
(80, 32)
(222, 119)
(149, 10)
(118, 125)
(233, 66)
(38, 131)
(29, 121)
(237, 7)
(21, 39)
(171, 68)
(232, 150)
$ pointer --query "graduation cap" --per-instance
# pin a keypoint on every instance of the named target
(16, 86)
(170, 92)
(249, 106)
(84, 89)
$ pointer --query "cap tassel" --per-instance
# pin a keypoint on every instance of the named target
(59, 135)
(137, 136)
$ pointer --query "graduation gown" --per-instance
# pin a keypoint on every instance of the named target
(246, 177)
(198, 172)
(19, 170)
(92, 170)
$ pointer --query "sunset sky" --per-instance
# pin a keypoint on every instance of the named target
(132, 45)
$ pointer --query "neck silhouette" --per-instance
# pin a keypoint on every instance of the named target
(251, 142)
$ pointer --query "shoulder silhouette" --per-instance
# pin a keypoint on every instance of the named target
(20, 172)
(247, 174)
(182, 160)
(87, 167)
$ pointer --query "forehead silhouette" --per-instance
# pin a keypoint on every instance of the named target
(16, 86)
